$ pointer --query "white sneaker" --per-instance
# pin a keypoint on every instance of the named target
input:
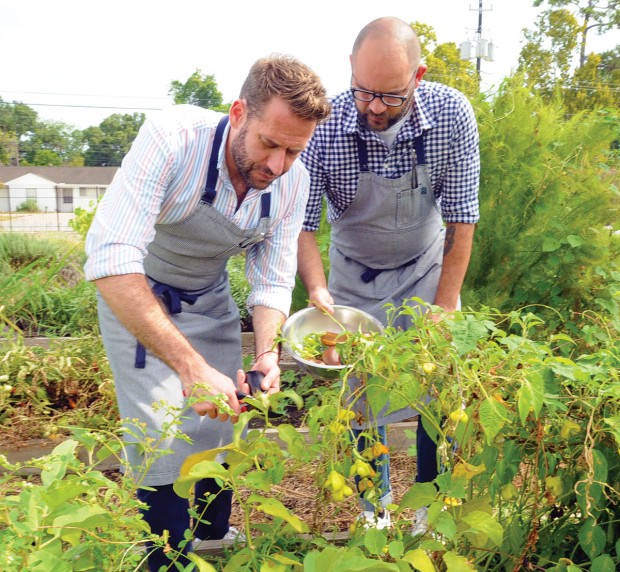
(233, 534)
(369, 519)
(420, 523)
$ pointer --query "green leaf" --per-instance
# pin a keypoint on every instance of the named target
(603, 563)
(375, 540)
(396, 549)
(550, 244)
(376, 394)
(591, 538)
(418, 495)
(467, 333)
(531, 395)
(493, 417)
(84, 517)
(57, 461)
(574, 240)
(275, 508)
(295, 443)
(445, 524)
(201, 564)
(484, 522)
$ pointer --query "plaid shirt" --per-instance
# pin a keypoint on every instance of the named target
(442, 114)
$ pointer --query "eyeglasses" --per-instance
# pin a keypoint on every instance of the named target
(387, 98)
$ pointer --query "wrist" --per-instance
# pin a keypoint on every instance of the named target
(264, 353)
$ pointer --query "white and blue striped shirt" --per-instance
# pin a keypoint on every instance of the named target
(447, 120)
(161, 181)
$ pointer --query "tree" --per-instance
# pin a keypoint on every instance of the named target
(599, 15)
(444, 62)
(546, 58)
(108, 143)
(53, 143)
(589, 88)
(547, 204)
(17, 122)
(200, 90)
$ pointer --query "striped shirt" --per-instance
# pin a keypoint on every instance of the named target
(442, 114)
(161, 181)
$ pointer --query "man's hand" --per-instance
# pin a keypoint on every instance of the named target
(321, 298)
(215, 383)
(267, 364)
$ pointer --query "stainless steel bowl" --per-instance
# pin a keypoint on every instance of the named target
(312, 320)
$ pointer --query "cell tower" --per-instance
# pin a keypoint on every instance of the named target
(479, 48)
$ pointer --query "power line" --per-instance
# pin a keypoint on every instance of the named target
(83, 106)
(79, 94)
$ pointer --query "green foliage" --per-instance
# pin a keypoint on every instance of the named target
(546, 58)
(529, 440)
(17, 250)
(83, 219)
(198, 89)
(43, 292)
(239, 286)
(52, 143)
(591, 89)
(29, 206)
(107, 144)
(73, 517)
(548, 207)
(46, 391)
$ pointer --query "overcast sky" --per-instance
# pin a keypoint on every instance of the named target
(119, 56)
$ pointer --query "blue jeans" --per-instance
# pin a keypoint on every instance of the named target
(426, 463)
(168, 511)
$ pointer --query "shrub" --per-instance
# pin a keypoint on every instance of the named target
(29, 206)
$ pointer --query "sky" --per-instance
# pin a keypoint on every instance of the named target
(79, 61)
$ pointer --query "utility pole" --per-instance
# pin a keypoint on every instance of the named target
(483, 49)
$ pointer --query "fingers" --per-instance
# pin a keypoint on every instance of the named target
(242, 384)
(210, 408)
(322, 300)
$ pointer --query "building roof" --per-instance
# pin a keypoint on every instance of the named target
(62, 175)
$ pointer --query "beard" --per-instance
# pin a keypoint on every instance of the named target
(248, 170)
(382, 121)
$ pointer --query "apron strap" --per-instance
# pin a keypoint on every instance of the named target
(212, 173)
(265, 205)
(362, 154)
(418, 147)
(172, 298)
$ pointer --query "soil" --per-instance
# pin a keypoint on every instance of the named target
(299, 494)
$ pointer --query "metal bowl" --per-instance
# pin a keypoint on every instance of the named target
(311, 320)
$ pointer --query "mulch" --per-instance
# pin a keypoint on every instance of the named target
(298, 492)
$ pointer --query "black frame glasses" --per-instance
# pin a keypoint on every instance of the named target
(388, 99)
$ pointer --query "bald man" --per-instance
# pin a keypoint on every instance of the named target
(398, 163)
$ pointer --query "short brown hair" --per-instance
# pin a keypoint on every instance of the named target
(286, 77)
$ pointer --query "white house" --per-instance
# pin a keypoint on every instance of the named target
(53, 189)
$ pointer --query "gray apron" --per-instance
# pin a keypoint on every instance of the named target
(387, 246)
(186, 267)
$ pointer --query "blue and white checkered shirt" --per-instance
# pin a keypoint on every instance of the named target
(447, 120)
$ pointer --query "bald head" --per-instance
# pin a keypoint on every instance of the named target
(389, 40)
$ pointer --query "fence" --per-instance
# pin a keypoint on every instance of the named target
(36, 210)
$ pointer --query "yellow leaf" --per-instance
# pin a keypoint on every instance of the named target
(196, 458)
(202, 565)
(467, 471)
(420, 560)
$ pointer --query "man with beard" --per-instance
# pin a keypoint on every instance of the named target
(398, 162)
(195, 188)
